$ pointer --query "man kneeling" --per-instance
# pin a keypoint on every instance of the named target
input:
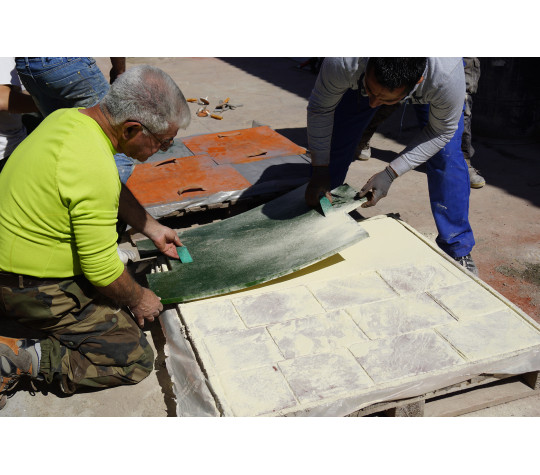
(60, 273)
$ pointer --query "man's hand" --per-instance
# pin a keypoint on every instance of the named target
(377, 186)
(143, 303)
(132, 212)
(148, 308)
(166, 240)
(317, 186)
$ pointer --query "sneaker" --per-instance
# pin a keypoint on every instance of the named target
(477, 181)
(363, 152)
(126, 255)
(468, 263)
(18, 357)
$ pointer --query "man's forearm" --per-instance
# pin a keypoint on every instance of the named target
(133, 213)
(124, 290)
(142, 302)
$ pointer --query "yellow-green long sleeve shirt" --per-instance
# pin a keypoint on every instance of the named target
(59, 196)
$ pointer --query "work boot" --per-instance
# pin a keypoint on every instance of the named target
(468, 263)
(477, 181)
(363, 152)
(18, 357)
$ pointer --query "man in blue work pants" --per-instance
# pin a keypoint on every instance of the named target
(447, 171)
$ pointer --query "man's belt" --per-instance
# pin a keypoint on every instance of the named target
(10, 279)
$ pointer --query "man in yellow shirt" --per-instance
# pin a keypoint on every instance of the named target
(60, 274)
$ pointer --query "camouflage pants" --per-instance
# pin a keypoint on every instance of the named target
(87, 341)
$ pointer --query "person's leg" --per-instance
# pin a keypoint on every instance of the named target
(57, 83)
(363, 149)
(351, 117)
(90, 342)
(449, 189)
(125, 165)
(466, 138)
(472, 76)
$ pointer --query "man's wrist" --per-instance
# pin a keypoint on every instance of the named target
(138, 296)
(391, 172)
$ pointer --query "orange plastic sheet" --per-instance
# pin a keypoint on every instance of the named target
(177, 179)
(241, 146)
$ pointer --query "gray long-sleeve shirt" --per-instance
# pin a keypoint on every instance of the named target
(443, 88)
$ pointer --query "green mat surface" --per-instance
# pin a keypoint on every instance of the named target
(267, 242)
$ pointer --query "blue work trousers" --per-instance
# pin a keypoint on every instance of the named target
(59, 83)
(447, 171)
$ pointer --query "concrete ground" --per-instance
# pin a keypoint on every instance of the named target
(504, 214)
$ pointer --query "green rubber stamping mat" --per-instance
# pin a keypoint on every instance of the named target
(267, 242)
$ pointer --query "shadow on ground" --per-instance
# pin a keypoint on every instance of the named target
(282, 72)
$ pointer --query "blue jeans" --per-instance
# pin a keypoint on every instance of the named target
(447, 171)
(58, 83)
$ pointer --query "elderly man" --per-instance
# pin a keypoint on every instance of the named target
(60, 274)
(346, 95)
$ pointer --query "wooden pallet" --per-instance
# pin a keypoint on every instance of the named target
(469, 396)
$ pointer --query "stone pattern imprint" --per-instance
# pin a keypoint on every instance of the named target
(275, 352)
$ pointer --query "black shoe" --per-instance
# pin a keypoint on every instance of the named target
(468, 263)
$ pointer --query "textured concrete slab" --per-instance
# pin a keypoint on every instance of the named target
(352, 290)
(319, 334)
(390, 319)
(241, 350)
(242, 146)
(418, 277)
(491, 335)
(463, 303)
(319, 376)
(208, 318)
(263, 390)
(411, 354)
(276, 307)
(178, 179)
(399, 315)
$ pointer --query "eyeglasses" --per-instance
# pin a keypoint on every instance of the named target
(363, 92)
(163, 146)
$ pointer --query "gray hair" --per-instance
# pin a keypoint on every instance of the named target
(148, 95)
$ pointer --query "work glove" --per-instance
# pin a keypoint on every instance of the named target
(377, 187)
(318, 185)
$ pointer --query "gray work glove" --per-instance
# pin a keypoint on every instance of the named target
(318, 185)
(377, 187)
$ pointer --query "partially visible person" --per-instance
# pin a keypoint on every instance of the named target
(13, 102)
(472, 76)
(60, 273)
(345, 98)
(64, 82)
